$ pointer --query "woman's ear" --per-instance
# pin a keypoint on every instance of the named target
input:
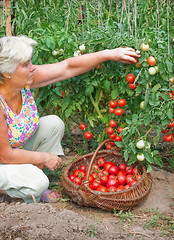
(6, 75)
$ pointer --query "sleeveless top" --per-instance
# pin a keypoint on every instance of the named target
(21, 127)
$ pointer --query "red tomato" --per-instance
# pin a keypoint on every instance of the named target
(129, 169)
(112, 136)
(111, 110)
(108, 146)
(71, 177)
(112, 104)
(110, 130)
(77, 180)
(112, 183)
(95, 168)
(122, 166)
(132, 86)
(95, 184)
(119, 111)
(91, 179)
(112, 189)
(104, 179)
(113, 170)
(101, 162)
(164, 131)
(133, 183)
(112, 176)
(121, 102)
(118, 138)
(130, 78)
(129, 178)
(82, 126)
(82, 175)
(121, 172)
(120, 188)
(126, 186)
(95, 175)
(107, 165)
(76, 172)
(102, 189)
(121, 179)
(61, 94)
(88, 135)
(112, 123)
(120, 129)
(135, 171)
(168, 138)
(138, 177)
(171, 124)
(151, 61)
(105, 173)
(83, 168)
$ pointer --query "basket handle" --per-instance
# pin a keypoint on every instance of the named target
(95, 154)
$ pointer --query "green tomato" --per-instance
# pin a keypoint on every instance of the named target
(157, 69)
(140, 157)
(140, 144)
(152, 71)
(142, 105)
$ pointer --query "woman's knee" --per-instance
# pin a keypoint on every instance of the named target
(40, 186)
(53, 123)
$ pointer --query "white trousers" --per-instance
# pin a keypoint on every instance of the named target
(25, 180)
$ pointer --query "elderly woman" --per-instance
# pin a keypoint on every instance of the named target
(29, 143)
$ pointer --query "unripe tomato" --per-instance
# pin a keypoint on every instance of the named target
(140, 156)
(88, 135)
(119, 111)
(130, 78)
(144, 47)
(82, 126)
(152, 71)
(112, 104)
(140, 144)
(82, 48)
(151, 61)
(157, 69)
(121, 102)
(112, 123)
(142, 105)
(132, 86)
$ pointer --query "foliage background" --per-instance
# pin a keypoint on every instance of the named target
(64, 25)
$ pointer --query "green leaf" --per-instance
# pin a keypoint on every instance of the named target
(61, 3)
(114, 93)
(149, 168)
(148, 157)
(169, 113)
(158, 160)
(126, 155)
(156, 87)
(169, 65)
(107, 84)
(119, 144)
(89, 90)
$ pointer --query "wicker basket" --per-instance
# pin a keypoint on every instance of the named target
(123, 200)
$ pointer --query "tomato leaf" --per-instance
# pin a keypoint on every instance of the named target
(169, 113)
(158, 160)
(126, 155)
(148, 157)
(169, 65)
(89, 90)
(156, 87)
(149, 168)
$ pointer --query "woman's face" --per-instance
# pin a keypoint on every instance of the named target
(23, 75)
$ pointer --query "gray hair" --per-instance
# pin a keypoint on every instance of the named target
(13, 51)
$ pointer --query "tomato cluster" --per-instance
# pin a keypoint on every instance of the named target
(114, 135)
(131, 79)
(87, 135)
(107, 177)
(169, 132)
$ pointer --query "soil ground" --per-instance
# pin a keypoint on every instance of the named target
(65, 220)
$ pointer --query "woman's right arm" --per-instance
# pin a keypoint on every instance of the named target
(9, 155)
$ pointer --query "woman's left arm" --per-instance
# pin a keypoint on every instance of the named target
(51, 73)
